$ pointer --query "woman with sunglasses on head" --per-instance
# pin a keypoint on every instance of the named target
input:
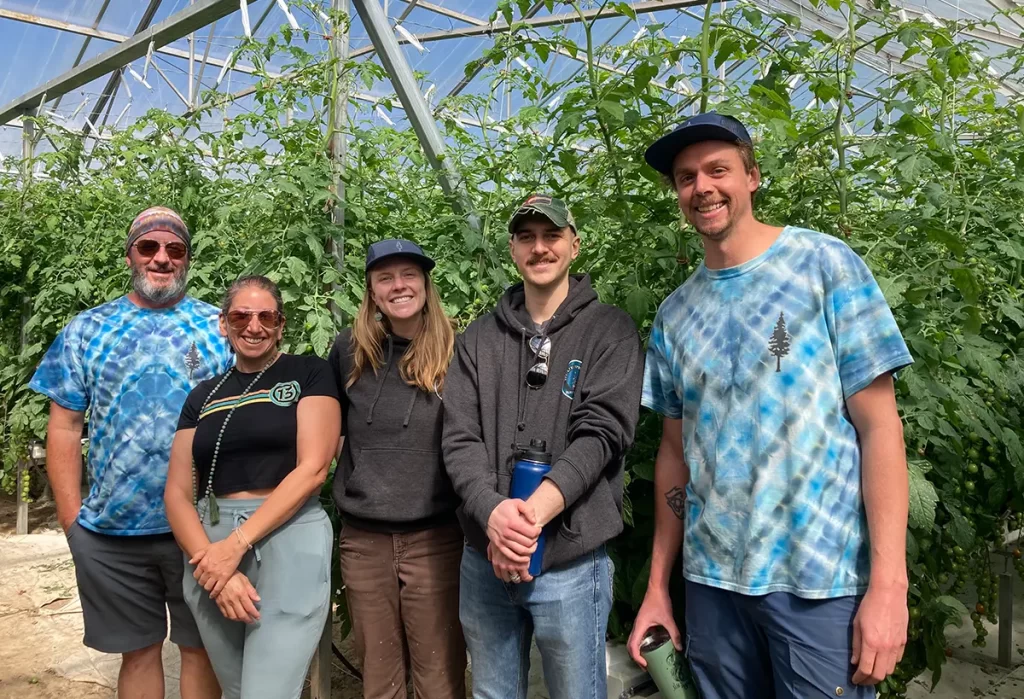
(401, 544)
(252, 450)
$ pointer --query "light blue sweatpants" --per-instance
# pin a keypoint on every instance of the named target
(291, 571)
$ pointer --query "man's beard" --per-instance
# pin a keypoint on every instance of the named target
(159, 294)
(720, 231)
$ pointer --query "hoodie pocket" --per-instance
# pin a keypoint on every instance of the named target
(398, 485)
(592, 520)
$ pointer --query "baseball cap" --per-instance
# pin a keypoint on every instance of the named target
(547, 206)
(710, 126)
(397, 247)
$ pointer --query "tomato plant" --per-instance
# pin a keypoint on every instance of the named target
(921, 173)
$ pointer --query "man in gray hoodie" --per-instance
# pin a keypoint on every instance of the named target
(550, 363)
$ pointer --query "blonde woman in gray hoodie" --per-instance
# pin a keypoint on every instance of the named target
(401, 543)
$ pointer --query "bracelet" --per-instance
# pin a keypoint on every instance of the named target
(241, 538)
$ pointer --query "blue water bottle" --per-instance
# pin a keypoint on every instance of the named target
(532, 464)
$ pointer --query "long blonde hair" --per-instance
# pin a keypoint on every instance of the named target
(425, 363)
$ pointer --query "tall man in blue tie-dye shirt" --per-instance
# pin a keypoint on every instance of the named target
(782, 468)
(131, 363)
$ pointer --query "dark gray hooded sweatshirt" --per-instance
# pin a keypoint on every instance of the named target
(586, 411)
(390, 477)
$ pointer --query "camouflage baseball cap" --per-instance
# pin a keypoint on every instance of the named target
(547, 206)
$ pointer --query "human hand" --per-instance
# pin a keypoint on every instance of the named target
(217, 562)
(656, 610)
(512, 528)
(504, 568)
(237, 600)
(879, 633)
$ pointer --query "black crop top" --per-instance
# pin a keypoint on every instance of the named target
(258, 447)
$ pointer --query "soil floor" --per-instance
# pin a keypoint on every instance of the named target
(41, 651)
(42, 656)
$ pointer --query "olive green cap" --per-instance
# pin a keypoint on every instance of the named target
(547, 206)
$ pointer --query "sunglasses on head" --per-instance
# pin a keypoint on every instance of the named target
(239, 320)
(149, 248)
(538, 373)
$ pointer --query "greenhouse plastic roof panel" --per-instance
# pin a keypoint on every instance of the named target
(44, 39)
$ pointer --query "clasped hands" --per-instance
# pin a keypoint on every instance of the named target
(217, 573)
(513, 532)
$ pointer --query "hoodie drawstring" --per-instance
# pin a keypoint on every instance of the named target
(380, 382)
(408, 413)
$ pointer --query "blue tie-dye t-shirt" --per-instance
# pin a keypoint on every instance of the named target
(132, 368)
(758, 361)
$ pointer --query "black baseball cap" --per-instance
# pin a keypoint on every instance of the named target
(554, 210)
(397, 247)
(710, 126)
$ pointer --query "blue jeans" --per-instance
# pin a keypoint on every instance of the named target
(566, 608)
(775, 646)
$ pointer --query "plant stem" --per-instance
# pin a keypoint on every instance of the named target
(847, 79)
(705, 56)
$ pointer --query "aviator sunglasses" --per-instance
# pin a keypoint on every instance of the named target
(538, 373)
(149, 248)
(239, 320)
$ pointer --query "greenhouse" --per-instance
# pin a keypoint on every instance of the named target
(291, 135)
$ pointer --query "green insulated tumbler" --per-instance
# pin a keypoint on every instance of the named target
(667, 666)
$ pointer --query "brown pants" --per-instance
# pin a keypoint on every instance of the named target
(403, 598)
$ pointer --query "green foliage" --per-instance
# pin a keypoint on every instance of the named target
(922, 177)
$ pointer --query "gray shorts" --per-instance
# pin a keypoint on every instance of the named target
(127, 584)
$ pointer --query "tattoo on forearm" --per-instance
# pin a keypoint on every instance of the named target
(676, 500)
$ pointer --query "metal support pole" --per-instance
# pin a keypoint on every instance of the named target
(202, 66)
(191, 66)
(416, 109)
(21, 526)
(106, 98)
(202, 13)
(339, 148)
(543, 21)
(27, 146)
(320, 667)
(1005, 618)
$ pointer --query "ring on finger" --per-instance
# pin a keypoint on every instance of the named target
(515, 578)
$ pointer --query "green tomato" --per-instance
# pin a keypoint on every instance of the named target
(972, 467)
(969, 485)
(973, 454)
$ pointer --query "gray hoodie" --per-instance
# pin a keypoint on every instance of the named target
(586, 411)
(390, 477)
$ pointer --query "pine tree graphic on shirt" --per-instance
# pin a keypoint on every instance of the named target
(778, 344)
(192, 360)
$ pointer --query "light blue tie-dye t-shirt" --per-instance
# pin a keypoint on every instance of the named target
(758, 361)
(132, 369)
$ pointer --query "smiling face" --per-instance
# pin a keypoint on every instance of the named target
(158, 280)
(542, 251)
(399, 289)
(714, 188)
(253, 341)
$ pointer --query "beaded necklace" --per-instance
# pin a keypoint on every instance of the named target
(211, 501)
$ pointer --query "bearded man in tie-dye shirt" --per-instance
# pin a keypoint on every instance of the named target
(131, 363)
(782, 467)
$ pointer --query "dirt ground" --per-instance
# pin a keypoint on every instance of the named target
(39, 639)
